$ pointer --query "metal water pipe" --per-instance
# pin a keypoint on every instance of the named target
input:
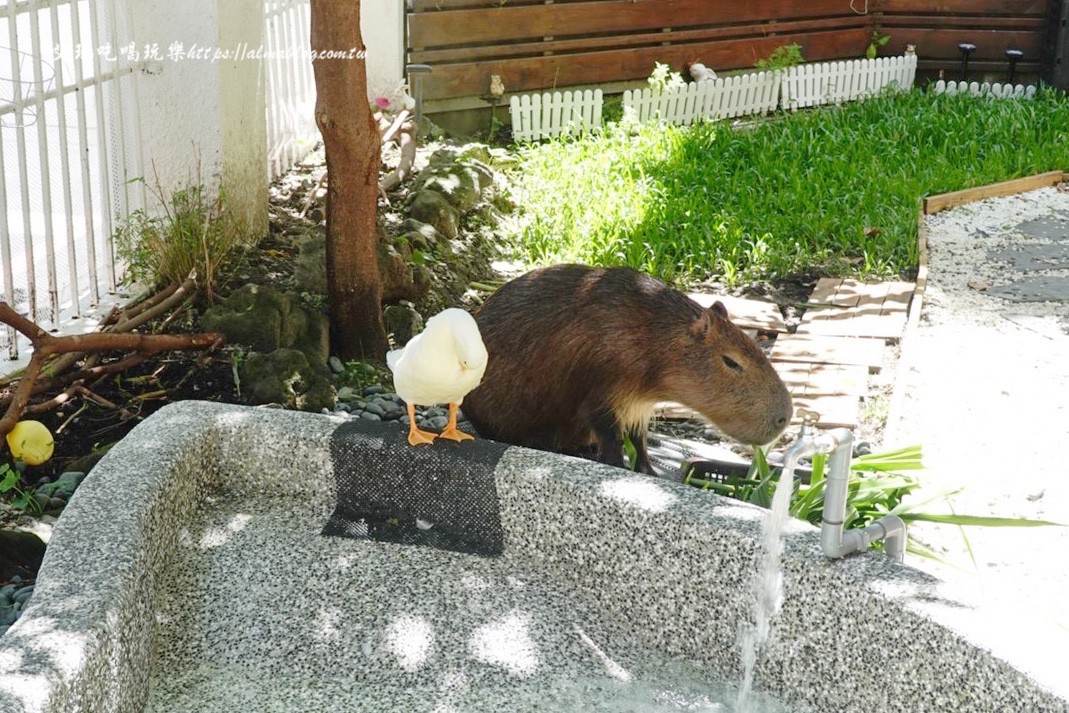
(416, 73)
(835, 542)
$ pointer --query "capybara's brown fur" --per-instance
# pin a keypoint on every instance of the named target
(579, 356)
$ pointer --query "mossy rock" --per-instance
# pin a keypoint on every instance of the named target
(402, 322)
(264, 320)
(285, 376)
(310, 270)
(431, 207)
(457, 183)
(397, 275)
(429, 238)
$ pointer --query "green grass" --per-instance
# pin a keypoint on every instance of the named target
(835, 188)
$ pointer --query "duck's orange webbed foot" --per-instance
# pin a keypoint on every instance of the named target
(451, 431)
(416, 436)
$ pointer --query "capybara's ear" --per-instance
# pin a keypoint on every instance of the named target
(700, 326)
(719, 309)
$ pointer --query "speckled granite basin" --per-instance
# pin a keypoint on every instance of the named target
(188, 573)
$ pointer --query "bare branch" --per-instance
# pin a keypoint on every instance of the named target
(46, 345)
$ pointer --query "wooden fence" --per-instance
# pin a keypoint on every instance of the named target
(937, 27)
(540, 45)
(535, 46)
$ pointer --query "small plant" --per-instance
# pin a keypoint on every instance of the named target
(877, 487)
(877, 42)
(612, 111)
(662, 79)
(782, 57)
(361, 374)
(9, 484)
(192, 234)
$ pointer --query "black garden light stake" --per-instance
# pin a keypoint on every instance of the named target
(1013, 56)
(966, 48)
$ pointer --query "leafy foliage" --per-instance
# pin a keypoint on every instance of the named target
(782, 57)
(10, 479)
(875, 44)
(663, 79)
(877, 487)
(361, 374)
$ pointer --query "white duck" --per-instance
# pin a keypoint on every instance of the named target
(440, 365)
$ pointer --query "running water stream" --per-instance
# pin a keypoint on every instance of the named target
(768, 585)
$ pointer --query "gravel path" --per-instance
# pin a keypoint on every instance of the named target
(986, 391)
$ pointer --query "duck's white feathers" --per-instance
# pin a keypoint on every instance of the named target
(441, 364)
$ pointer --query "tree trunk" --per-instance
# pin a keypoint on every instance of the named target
(353, 152)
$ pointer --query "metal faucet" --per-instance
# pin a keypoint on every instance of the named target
(835, 542)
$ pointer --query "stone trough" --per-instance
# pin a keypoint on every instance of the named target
(190, 573)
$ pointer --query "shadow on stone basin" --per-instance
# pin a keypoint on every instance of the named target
(189, 573)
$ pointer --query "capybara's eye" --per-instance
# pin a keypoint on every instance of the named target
(731, 363)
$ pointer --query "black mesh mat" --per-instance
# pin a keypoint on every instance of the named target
(442, 495)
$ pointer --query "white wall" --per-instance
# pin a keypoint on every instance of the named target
(214, 108)
(197, 106)
(382, 28)
(179, 98)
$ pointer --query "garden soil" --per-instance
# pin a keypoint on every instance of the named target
(984, 387)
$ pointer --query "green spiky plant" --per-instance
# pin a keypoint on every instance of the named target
(878, 486)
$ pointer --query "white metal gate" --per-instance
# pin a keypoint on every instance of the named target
(291, 128)
(69, 149)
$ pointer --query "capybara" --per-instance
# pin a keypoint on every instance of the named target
(579, 356)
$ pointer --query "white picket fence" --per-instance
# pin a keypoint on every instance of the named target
(720, 98)
(539, 116)
(834, 82)
(542, 116)
(978, 89)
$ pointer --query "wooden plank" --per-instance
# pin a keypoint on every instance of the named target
(825, 290)
(965, 22)
(506, 22)
(537, 73)
(753, 314)
(898, 296)
(943, 43)
(967, 7)
(887, 326)
(861, 310)
(888, 295)
(820, 349)
(835, 411)
(804, 379)
(934, 204)
(603, 42)
(830, 291)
